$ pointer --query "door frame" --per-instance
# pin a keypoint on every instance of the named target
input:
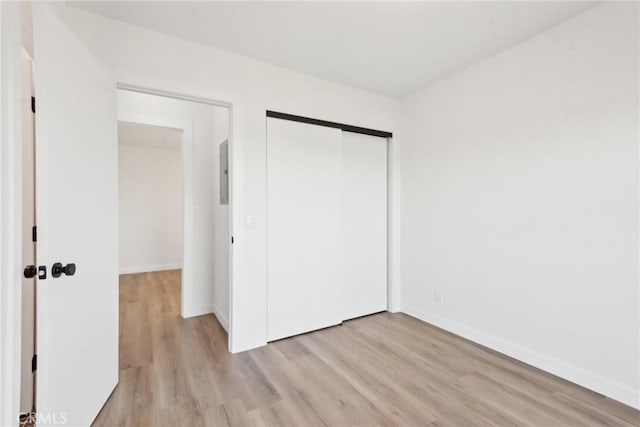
(10, 210)
(187, 168)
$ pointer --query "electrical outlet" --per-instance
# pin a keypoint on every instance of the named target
(437, 296)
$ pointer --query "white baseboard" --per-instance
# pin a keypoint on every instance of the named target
(197, 311)
(150, 268)
(224, 322)
(588, 380)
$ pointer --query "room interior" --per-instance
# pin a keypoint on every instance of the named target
(397, 213)
(150, 198)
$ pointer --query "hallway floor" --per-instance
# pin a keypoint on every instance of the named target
(384, 369)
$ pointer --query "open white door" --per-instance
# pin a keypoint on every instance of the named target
(76, 214)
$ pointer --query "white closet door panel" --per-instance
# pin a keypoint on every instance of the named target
(304, 227)
(364, 262)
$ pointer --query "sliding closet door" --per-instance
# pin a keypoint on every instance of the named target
(364, 219)
(304, 208)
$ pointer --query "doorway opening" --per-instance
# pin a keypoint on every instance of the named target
(174, 204)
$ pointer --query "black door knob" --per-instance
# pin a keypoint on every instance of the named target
(30, 271)
(70, 269)
(58, 269)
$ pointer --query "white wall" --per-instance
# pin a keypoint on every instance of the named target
(520, 201)
(202, 126)
(143, 57)
(150, 196)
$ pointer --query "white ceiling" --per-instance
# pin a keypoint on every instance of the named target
(149, 136)
(393, 48)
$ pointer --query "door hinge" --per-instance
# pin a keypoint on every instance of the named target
(34, 234)
(33, 104)
(232, 240)
(34, 363)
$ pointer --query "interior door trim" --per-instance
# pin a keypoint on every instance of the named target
(318, 122)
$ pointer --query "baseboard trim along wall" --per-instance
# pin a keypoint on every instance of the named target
(585, 379)
(150, 268)
(198, 311)
(224, 322)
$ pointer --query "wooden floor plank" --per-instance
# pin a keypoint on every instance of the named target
(384, 370)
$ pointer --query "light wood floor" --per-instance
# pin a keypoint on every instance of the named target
(385, 369)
